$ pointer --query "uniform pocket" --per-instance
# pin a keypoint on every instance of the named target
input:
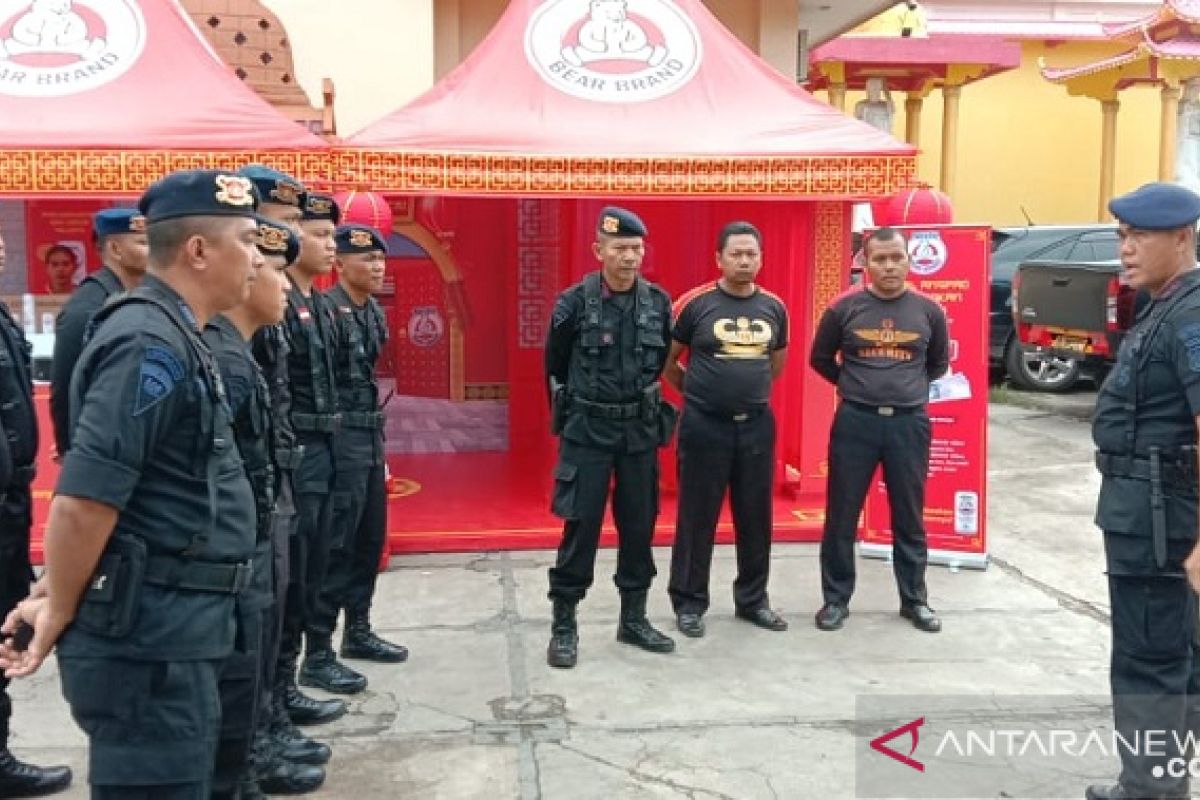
(566, 490)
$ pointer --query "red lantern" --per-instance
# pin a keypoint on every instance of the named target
(921, 205)
(362, 207)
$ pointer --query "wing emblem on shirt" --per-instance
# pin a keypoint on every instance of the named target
(886, 334)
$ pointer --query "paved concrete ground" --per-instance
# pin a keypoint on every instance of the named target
(742, 713)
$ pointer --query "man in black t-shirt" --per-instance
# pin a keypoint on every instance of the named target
(736, 334)
(893, 341)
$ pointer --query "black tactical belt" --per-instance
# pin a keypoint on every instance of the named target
(731, 416)
(319, 423)
(24, 475)
(372, 420)
(289, 457)
(174, 572)
(608, 410)
(1173, 472)
(883, 411)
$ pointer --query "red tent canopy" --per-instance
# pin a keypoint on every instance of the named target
(622, 97)
(126, 91)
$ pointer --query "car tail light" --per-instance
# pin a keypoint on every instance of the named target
(1112, 305)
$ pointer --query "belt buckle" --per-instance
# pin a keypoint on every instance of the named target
(886, 411)
(241, 576)
(742, 417)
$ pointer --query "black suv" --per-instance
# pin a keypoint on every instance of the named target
(1011, 247)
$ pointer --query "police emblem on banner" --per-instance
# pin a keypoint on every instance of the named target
(53, 48)
(927, 252)
(613, 51)
(425, 326)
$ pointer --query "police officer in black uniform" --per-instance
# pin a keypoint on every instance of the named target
(245, 673)
(278, 738)
(151, 529)
(120, 235)
(360, 483)
(605, 351)
(1144, 428)
(18, 452)
(310, 330)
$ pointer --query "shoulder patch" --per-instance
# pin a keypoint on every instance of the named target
(563, 311)
(160, 373)
(1189, 337)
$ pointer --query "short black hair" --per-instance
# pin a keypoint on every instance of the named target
(167, 236)
(884, 234)
(738, 228)
(61, 248)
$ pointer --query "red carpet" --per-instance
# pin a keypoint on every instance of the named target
(498, 501)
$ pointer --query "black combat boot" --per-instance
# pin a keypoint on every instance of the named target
(635, 629)
(322, 670)
(300, 708)
(285, 740)
(359, 641)
(251, 790)
(18, 779)
(277, 776)
(564, 636)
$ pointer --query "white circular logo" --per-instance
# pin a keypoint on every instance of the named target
(52, 48)
(613, 51)
(425, 326)
(926, 252)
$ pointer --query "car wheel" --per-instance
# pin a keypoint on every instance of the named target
(1038, 372)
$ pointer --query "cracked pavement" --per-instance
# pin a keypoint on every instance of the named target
(742, 713)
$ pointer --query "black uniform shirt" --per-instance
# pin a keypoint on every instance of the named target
(270, 349)
(152, 439)
(1164, 369)
(614, 373)
(308, 328)
(890, 348)
(361, 334)
(18, 419)
(730, 340)
(248, 400)
(69, 331)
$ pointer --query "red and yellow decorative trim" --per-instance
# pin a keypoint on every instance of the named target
(98, 172)
(128, 172)
(465, 173)
(831, 246)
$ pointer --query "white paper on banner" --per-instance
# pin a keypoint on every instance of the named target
(952, 386)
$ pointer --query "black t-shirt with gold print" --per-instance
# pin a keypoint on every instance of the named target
(730, 340)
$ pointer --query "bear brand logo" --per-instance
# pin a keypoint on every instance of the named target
(615, 51)
(53, 48)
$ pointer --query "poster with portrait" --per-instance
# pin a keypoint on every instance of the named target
(59, 248)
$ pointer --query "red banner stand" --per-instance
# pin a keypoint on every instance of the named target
(951, 264)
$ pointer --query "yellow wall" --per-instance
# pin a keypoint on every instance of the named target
(379, 57)
(1024, 141)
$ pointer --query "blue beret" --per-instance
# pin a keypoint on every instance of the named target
(113, 221)
(616, 221)
(321, 206)
(358, 239)
(199, 193)
(277, 239)
(274, 186)
(1157, 207)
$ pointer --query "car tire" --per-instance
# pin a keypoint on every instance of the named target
(1039, 373)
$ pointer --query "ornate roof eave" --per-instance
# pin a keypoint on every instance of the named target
(1183, 10)
(1105, 79)
(911, 64)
